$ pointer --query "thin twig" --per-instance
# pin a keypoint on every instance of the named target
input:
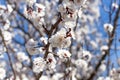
(22, 15)
(9, 58)
(109, 45)
(47, 47)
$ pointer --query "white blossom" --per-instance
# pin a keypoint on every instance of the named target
(82, 64)
(7, 25)
(61, 8)
(30, 2)
(9, 7)
(105, 78)
(94, 44)
(108, 27)
(104, 48)
(69, 41)
(109, 78)
(60, 40)
(39, 64)
(2, 8)
(24, 76)
(44, 78)
(28, 13)
(51, 62)
(17, 66)
(79, 2)
(2, 49)
(22, 57)
(80, 12)
(2, 64)
(102, 67)
(30, 46)
(100, 78)
(115, 5)
(70, 24)
(44, 40)
(2, 73)
(7, 36)
(40, 8)
(57, 76)
(85, 55)
(68, 11)
(62, 53)
(114, 73)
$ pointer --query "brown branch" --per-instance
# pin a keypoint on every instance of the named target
(28, 67)
(9, 58)
(53, 27)
(109, 45)
(22, 15)
(45, 29)
(47, 46)
(28, 21)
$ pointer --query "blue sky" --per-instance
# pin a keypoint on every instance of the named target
(104, 19)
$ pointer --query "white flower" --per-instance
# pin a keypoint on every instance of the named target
(38, 21)
(94, 44)
(9, 7)
(7, 25)
(70, 24)
(57, 76)
(107, 78)
(82, 64)
(83, 18)
(2, 49)
(102, 67)
(44, 40)
(68, 11)
(80, 12)
(31, 14)
(40, 8)
(60, 40)
(51, 62)
(115, 74)
(2, 73)
(108, 27)
(101, 78)
(22, 57)
(69, 17)
(38, 64)
(30, 46)
(30, 2)
(104, 48)
(61, 8)
(24, 77)
(3, 64)
(62, 53)
(115, 5)
(17, 66)
(7, 36)
(2, 8)
(85, 55)
(44, 78)
(78, 2)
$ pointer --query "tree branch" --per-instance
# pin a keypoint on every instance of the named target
(47, 47)
(9, 58)
(109, 45)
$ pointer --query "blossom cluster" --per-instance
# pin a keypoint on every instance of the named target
(34, 11)
(57, 40)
